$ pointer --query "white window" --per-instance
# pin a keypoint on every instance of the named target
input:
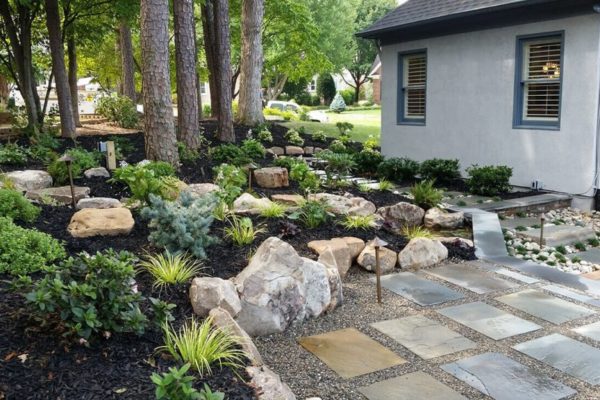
(413, 92)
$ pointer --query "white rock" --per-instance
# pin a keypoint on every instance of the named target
(30, 179)
(268, 384)
(98, 202)
(99, 172)
(248, 204)
(207, 293)
(201, 189)
(387, 259)
(61, 194)
(346, 205)
(422, 252)
(436, 218)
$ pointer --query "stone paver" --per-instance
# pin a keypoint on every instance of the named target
(417, 385)
(565, 354)
(545, 306)
(420, 290)
(558, 235)
(592, 255)
(590, 330)
(350, 353)
(572, 295)
(512, 223)
(515, 275)
(423, 336)
(502, 378)
(471, 278)
(488, 320)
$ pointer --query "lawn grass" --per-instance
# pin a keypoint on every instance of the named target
(366, 123)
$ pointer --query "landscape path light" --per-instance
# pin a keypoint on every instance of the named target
(377, 244)
(250, 167)
(67, 159)
(542, 222)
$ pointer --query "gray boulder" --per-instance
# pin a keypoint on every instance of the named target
(401, 215)
(436, 218)
(99, 172)
(30, 179)
(387, 259)
(61, 195)
(208, 293)
(268, 384)
(421, 253)
(98, 202)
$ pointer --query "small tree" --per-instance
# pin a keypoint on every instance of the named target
(338, 105)
(326, 87)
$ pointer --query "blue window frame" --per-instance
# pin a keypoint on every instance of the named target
(538, 81)
(412, 87)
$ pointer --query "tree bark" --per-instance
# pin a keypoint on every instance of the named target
(208, 28)
(188, 129)
(65, 107)
(250, 102)
(72, 57)
(127, 63)
(4, 90)
(161, 143)
(225, 131)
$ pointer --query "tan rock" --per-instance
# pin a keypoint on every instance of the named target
(271, 177)
(356, 245)
(101, 222)
(288, 199)
(248, 204)
(308, 150)
(387, 259)
(337, 255)
(223, 320)
(207, 293)
(276, 150)
(346, 205)
(268, 384)
(436, 218)
(30, 179)
(294, 150)
(60, 194)
(201, 189)
(401, 215)
(421, 253)
(98, 202)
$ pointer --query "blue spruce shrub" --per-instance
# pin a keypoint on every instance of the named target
(337, 105)
(182, 225)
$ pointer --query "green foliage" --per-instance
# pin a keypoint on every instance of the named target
(287, 162)
(264, 135)
(412, 232)
(92, 294)
(274, 210)
(118, 109)
(207, 394)
(293, 137)
(489, 180)
(312, 214)
(385, 185)
(187, 155)
(337, 104)
(520, 228)
(241, 231)
(182, 225)
(170, 269)
(231, 180)
(307, 179)
(440, 170)
(337, 146)
(150, 179)
(16, 206)
(425, 195)
(348, 96)
(229, 153)
(580, 246)
(13, 154)
(576, 259)
(82, 160)
(326, 87)
(370, 143)
(345, 128)
(23, 251)
(203, 346)
(398, 169)
(123, 146)
(359, 222)
(367, 161)
(561, 249)
(175, 385)
(338, 165)
(319, 136)
(253, 149)
(594, 242)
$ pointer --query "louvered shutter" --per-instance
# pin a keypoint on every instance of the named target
(541, 80)
(415, 78)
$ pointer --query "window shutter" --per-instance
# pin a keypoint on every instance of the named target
(415, 80)
(542, 80)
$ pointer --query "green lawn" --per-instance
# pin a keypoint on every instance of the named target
(366, 123)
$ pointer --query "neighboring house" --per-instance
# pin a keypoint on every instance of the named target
(341, 82)
(375, 76)
(513, 82)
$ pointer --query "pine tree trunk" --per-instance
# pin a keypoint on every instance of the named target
(161, 143)
(223, 67)
(127, 64)
(72, 57)
(65, 107)
(4, 90)
(208, 28)
(250, 103)
(188, 129)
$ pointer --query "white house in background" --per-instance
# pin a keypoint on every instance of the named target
(340, 80)
(513, 82)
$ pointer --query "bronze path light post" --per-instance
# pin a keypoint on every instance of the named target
(67, 159)
(377, 244)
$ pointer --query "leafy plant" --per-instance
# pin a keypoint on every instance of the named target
(150, 179)
(288, 229)
(123, 146)
(274, 210)
(170, 269)
(175, 385)
(489, 180)
(91, 294)
(345, 128)
(440, 170)
(207, 394)
(337, 146)
(594, 242)
(253, 149)
(312, 213)
(359, 222)
(319, 136)
(16, 206)
(264, 135)
(118, 109)
(307, 179)
(398, 169)
(23, 251)
(580, 246)
(182, 225)
(203, 346)
(231, 180)
(371, 143)
(561, 249)
(13, 154)
(412, 232)
(385, 185)
(293, 137)
(82, 160)
(425, 195)
(287, 162)
(230, 153)
(576, 259)
(187, 155)
(338, 165)
(367, 161)
(241, 231)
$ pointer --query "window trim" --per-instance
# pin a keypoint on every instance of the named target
(400, 118)
(519, 93)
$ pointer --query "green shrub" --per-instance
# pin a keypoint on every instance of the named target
(229, 153)
(253, 149)
(398, 169)
(182, 225)
(187, 155)
(337, 104)
(348, 96)
(82, 160)
(144, 180)
(413, 232)
(231, 180)
(425, 195)
(319, 136)
(580, 246)
(264, 135)
(337, 146)
(293, 137)
(13, 154)
(241, 231)
(274, 210)
(326, 87)
(367, 161)
(307, 179)
(440, 170)
(489, 180)
(287, 162)
(312, 214)
(16, 206)
(175, 385)
(23, 251)
(123, 146)
(359, 222)
(338, 164)
(206, 110)
(92, 294)
(370, 143)
(119, 109)
(345, 128)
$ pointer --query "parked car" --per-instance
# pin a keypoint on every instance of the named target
(316, 115)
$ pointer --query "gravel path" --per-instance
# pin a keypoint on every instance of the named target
(307, 376)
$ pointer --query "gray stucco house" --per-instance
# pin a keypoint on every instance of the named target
(513, 82)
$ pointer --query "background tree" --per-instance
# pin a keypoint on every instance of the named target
(127, 61)
(326, 87)
(250, 104)
(161, 143)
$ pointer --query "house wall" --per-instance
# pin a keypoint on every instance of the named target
(470, 97)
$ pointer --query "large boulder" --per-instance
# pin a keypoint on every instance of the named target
(347, 204)
(30, 179)
(338, 253)
(248, 204)
(101, 222)
(207, 293)
(278, 287)
(401, 215)
(268, 385)
(61, 195)
(98, 172)
(272, 177)
(223, 320)
(201, 189)
(387, 259)
(98, 202)
(436, 218)
(422, 252)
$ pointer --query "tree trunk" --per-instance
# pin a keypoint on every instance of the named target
(188, 129)
(4, 90)
(161, 143)
(223, 67)
(198, 87)
(208, 28)
(72, 57)
(127, 64)
(250, 103)
(65, 106)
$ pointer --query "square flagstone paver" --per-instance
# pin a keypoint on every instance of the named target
(415, 386)
(560, 234)
(423, 336)
(565, 354)
(592, 255)
(572, 295)
(503, 378)
(420, 290)
(350, 353)
(591, 330)
(545, 306)
(488, 320)
(471, 278)
(515, 275)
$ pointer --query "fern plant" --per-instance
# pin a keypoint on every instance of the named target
(170, 269)
(425, 195)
